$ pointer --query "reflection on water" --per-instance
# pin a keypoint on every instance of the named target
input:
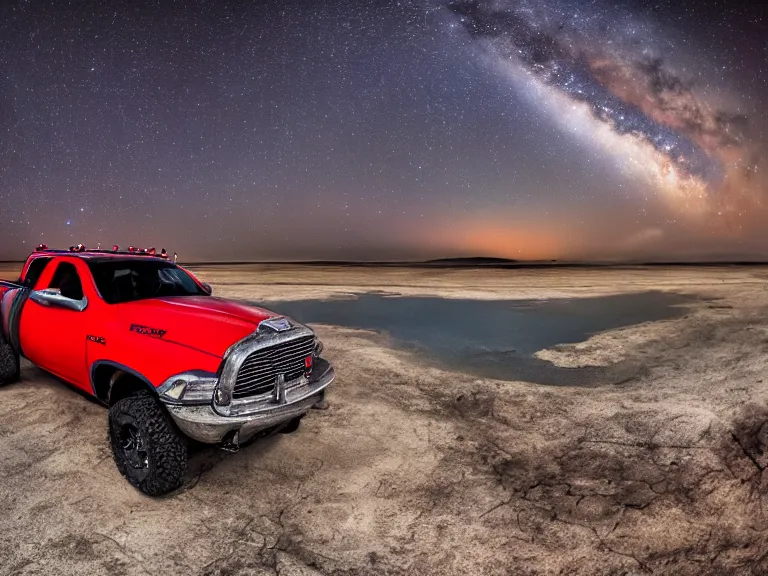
(489, 338)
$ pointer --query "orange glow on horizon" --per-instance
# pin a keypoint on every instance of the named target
(503, 241)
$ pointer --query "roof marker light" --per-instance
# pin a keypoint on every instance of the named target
(152, 251)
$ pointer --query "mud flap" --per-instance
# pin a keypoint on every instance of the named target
(11, 303)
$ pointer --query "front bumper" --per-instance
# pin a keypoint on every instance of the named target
(206, 425)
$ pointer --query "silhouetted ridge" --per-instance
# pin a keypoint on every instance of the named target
(474, 260)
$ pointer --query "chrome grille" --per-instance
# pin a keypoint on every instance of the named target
(258, 372)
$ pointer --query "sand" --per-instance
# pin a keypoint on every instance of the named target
(414, 469)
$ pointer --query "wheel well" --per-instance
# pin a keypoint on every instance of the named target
(111, 383)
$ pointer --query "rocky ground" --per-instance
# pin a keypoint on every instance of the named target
(416, 470)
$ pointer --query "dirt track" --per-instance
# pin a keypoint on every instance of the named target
(414, 470)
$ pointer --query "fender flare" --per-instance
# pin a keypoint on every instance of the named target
(119, 367)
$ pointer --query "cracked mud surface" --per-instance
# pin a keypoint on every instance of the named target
(414, 469)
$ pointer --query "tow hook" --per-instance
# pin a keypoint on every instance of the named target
(231, 442)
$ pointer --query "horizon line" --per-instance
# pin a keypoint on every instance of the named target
(477, 261)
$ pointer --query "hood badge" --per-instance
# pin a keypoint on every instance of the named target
(276, 324)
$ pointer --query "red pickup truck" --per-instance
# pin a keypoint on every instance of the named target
(146, 338)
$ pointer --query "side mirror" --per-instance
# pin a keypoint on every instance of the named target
(52, 297)
(207, 288)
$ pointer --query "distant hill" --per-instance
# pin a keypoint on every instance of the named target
(483, 262)
(472, 261)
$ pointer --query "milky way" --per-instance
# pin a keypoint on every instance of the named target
(612, 63)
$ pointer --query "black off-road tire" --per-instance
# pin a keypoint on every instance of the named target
(10, 365)
(162, 465)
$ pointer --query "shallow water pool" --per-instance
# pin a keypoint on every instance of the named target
(488, 338)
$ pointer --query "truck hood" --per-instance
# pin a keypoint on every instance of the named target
(204, 323)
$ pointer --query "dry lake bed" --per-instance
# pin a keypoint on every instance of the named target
(489, 422)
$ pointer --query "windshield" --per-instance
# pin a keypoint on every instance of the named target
(128, 280)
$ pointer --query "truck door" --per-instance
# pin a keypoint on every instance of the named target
(54, 337)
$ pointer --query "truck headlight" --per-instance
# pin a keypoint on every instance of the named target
(318, 347)
(189, 388)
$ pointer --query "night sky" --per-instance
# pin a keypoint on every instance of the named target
(366, 129)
